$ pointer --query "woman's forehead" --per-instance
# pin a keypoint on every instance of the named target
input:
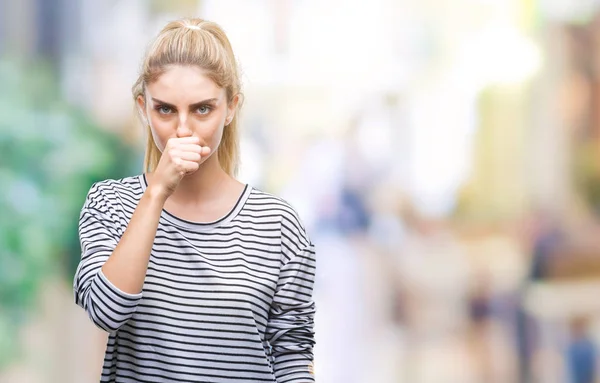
(185, 83)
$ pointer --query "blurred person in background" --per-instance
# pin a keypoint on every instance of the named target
(339, 221)
(195, 275)
(542, 239)
(582, 356)
(480, 323)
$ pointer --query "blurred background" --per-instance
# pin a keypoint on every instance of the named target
(444, 155)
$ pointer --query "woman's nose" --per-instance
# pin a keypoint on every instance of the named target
(183, 129)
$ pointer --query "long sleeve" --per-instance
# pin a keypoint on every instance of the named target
(107, 306)
(290, 329)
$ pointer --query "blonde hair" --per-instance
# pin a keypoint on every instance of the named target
(193, 42)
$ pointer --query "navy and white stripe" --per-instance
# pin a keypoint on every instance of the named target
(226, 301)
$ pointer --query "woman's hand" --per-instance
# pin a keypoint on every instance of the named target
(181, 157)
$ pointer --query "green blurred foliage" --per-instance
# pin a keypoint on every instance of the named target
(50, 154)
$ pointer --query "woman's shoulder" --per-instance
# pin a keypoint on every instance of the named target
(130, 187)
(269, 201)
(274, 205)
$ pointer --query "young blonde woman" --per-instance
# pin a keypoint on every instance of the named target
(196, 276)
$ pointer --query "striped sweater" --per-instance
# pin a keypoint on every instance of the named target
(225, 301)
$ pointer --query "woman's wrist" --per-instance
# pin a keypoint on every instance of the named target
(157, 193)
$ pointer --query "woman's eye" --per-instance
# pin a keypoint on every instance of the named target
(204, 109)
(164, 110)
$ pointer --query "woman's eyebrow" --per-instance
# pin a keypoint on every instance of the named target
(194, 105)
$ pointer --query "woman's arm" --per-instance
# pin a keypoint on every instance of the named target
(126, 267)
(290, 329)
(110, 276)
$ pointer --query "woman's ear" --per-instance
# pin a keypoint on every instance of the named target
(232, 109)
(141, 106)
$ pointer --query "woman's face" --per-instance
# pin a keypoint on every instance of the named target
(184, 102)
